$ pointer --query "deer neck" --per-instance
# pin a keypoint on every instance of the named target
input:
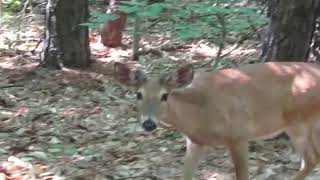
(182, 108)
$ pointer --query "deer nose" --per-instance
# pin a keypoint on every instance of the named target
(149, 125)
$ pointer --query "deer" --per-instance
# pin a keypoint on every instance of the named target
(231, 107)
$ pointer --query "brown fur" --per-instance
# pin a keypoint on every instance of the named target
(234, 106)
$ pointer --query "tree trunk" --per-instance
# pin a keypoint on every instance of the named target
(290, 30)
(66, 42)
(315, 46)
(50, 55)
(73, 38)
(111, 31)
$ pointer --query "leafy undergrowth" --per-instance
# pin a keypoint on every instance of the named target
(78, 124)
(71, 124)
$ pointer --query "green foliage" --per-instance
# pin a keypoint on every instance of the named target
(218, 23)
(205, 20)
(97, 18)
(142, 9)
(62, 149)
(6, 18)
(171, 135)
(215, 23)
(154, 10)
(9, 7)
(186, 32)
(12, 5)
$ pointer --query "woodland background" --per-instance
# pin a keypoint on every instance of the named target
(62, 116)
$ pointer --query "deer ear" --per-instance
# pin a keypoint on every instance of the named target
(126, 76)
(184, 75)
(181, 78)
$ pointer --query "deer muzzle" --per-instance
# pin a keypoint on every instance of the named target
(149, 125)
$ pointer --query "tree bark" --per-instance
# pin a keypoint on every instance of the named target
(50, 55)
(73, 38)
(290, 30)
(66, 42)
(315, 46)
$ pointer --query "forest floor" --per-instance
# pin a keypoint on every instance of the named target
(78, 124)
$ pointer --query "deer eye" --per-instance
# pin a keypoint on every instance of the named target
(164, 97)
(139, 95)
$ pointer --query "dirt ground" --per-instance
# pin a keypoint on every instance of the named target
(78, 124)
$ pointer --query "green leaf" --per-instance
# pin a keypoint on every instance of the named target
(258, 21)
(94, 13)
(208, 9)
(67, 149)
(134, 3)
(70, 151)
(107, 17)
(57, 146)
(27, 159)
(97, 16)
(181, 13)
(54, 150)
(129, 9)
(189, 34)
(21, 131)
(245, 11)
(190, 31)
(39, 155)
(181, 26)
(152, 10)
(171, 135)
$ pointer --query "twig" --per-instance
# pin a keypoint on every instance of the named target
(154, 23)
(24, 8)
(138, 176)
(229, 52)
(11, 85)
(3, 27)
(7, 109)
(244, 38)
(218, 57)
(136, 39)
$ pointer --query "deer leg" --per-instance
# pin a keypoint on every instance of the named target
(306, 167)
(306, 145)
(239, 154)
(193, 155)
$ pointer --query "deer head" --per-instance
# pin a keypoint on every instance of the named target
(152, 93)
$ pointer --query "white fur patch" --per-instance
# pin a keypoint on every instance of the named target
(142, 91)
(165, 124)
(162, 91)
